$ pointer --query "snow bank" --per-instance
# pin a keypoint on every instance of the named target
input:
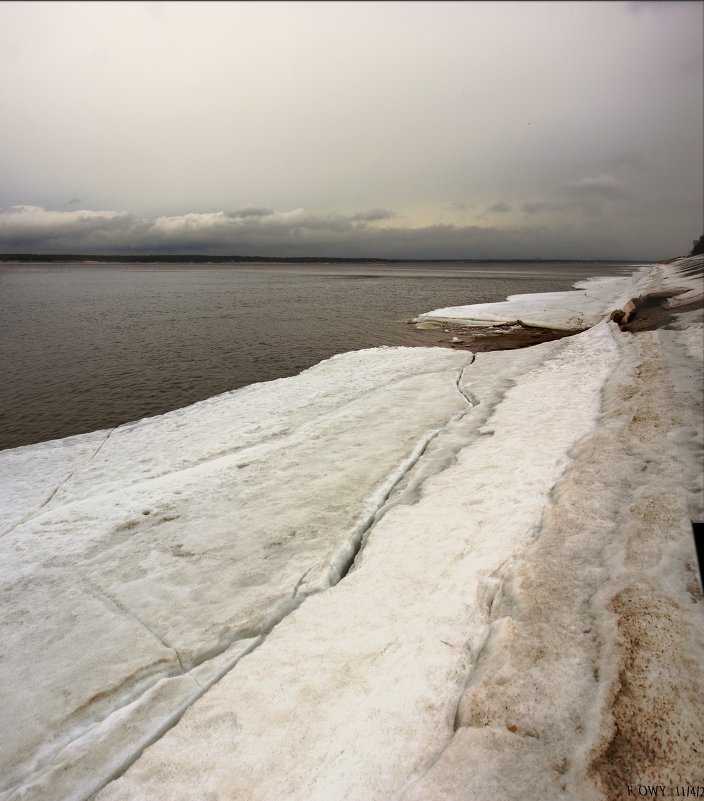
(403, 574)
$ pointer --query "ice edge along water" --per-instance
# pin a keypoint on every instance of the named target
(491, 580)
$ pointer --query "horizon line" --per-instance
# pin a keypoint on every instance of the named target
(207, 258)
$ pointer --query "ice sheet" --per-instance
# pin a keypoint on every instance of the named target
(172, 586)
(192, 531)
(592, 300)
(31, 476)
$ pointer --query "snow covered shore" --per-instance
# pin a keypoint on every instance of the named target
(403, 574)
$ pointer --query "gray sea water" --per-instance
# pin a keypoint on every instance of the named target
(84, 347)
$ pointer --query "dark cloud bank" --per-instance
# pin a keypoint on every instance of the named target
(258, 231)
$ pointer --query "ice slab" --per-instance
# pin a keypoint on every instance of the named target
(153, 548)
(591, 301)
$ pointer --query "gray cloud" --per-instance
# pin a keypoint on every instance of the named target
(289, 233)
(636, 6)
(691, 65)
(35, 227)
(540, 207)
(600, 186)
(249, 211)
(614, 164)
(161, 109)
(501, 207)
(373, 215)
(582, 205)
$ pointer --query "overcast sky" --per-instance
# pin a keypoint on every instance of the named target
(403, 129)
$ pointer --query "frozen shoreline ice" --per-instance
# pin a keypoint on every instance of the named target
(576, 310)
(146, 569)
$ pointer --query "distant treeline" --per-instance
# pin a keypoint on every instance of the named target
(200, 259)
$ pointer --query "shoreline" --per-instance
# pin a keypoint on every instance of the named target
(94, 373)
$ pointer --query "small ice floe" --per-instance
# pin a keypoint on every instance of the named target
(457, 339)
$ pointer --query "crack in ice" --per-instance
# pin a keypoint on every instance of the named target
(101, 594)
(354, 548)
(404, 469)
(36, 511)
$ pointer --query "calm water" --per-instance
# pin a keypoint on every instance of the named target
(84, 347)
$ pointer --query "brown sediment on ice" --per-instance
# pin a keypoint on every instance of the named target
(651, 722)
(499, 337)
(644, 313)
(655, 732)
(608, 596)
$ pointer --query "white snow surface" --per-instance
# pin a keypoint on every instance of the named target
(405, 573)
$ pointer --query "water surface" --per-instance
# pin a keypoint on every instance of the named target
(84, 347)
